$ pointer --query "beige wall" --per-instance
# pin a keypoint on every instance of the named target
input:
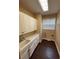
(26, 23)
(39, 24)
(49, 35)
(57, 41)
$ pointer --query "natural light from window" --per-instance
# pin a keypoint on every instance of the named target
(49, 23)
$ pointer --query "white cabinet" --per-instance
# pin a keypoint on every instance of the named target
(33, 45)
(24, 54)
(26, 23)
(28, 49)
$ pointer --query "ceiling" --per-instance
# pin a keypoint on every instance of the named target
(34, 6)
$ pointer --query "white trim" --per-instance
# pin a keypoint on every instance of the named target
(57, 48)
(48, 39)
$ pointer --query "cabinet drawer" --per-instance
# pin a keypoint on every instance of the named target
(32, 48)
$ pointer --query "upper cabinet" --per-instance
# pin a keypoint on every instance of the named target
(26, 23)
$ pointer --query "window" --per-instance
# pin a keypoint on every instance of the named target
(49, 23)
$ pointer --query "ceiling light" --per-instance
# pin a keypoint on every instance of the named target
(44, 4)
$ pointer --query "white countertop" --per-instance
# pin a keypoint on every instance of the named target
(27, 41)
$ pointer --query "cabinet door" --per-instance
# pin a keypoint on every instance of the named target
(27, 23)
(32, 48)
(25, 55)
(34, 45)
(21, 23)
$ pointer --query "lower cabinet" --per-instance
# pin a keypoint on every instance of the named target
(28, 51)
(33, 46)
(25, 55)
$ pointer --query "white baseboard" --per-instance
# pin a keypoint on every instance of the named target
(57, 48)
(48, 39)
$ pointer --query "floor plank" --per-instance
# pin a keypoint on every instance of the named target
(45, 50)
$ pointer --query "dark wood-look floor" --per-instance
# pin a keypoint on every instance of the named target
(45, 50)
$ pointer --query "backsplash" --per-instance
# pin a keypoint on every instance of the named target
(23, 36)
